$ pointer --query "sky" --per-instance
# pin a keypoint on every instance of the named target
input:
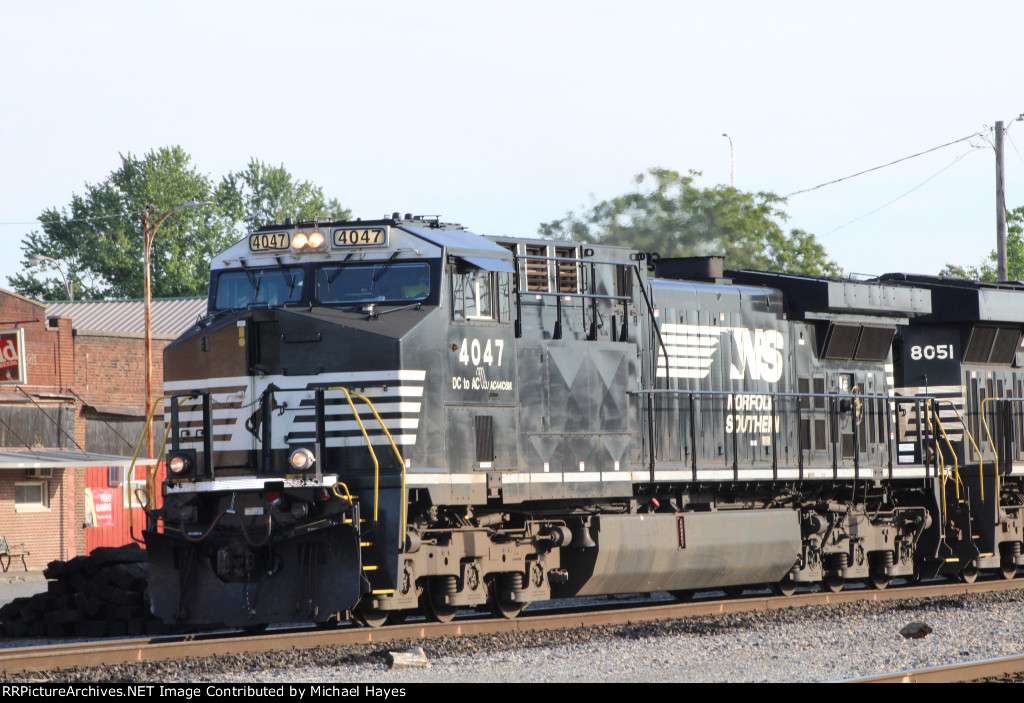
(503, 115)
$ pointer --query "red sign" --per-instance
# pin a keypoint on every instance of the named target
(12, 356)
(99, 506)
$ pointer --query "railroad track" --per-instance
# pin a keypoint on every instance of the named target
(990, 670)
(81, 654)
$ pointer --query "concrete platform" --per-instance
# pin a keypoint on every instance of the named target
(18, 584)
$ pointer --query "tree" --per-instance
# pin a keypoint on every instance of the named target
(97, 238)
(677, 218)
(262, 194)
(988, 270)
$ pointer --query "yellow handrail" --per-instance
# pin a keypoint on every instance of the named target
(373, 454)
(151, 473)
(967, 433)
(934, 419)
(348, 494)
(369, 445)
(992, 443)
(398, 455)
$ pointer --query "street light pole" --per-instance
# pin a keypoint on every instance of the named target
(732, 158)
(149, 229)
(41, 259)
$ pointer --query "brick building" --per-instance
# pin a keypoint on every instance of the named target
(71, 416)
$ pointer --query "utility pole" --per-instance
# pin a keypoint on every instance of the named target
(1000, 206)
(732, 158)
(149, 228)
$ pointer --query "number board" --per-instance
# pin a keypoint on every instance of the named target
(269, 241)
(360, 237)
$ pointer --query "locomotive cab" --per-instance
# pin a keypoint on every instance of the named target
(296, 407)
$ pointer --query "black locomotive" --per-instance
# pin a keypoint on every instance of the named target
(398, 414)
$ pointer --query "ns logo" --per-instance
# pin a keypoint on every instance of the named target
(757, 353)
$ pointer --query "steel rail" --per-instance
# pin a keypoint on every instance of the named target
(965, 672)
(92, 653)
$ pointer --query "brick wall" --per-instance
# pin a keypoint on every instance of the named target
(49, 350)
(49, 533)
(112, 370)
(103, 371)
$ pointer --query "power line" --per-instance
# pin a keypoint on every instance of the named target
(919, 185)
(1014, 145)
(891, 163)
(75, 219)
(37, 221)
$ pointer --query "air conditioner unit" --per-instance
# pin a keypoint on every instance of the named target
(39, 473)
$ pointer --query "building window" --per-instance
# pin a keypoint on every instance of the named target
(134, 491)
(32, 495)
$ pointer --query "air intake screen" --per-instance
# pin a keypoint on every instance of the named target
(483, 426)
(874, 343)
(536, 269)
(841, 342)
(1005, 346)
(992, 345)
(980, 346)
(568, 281)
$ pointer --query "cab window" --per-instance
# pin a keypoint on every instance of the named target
(240, 289)
(373, 282)
(472, 294)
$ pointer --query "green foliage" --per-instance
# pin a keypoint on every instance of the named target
(677, 218)
(988, 270)
(97, 238)
(262, 194)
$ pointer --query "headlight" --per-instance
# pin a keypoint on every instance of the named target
(179, 465)
(301, 459)
(316, 239)
(300, 240)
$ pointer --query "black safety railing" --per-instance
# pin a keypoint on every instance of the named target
(206, 425)
(266, 421)
(1007, 415)
(590, 298)
(695, 417)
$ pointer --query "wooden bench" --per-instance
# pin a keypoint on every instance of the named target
(6, 555)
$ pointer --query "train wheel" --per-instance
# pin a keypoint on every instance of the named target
(1008, 570)
(969, 574)
(370, 617)
(832, 583)
(502, 608)
(733, 591)
(785, 587)
(438, 612)
(506, 583)
(879, 582)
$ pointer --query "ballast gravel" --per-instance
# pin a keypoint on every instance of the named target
(818, 643)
